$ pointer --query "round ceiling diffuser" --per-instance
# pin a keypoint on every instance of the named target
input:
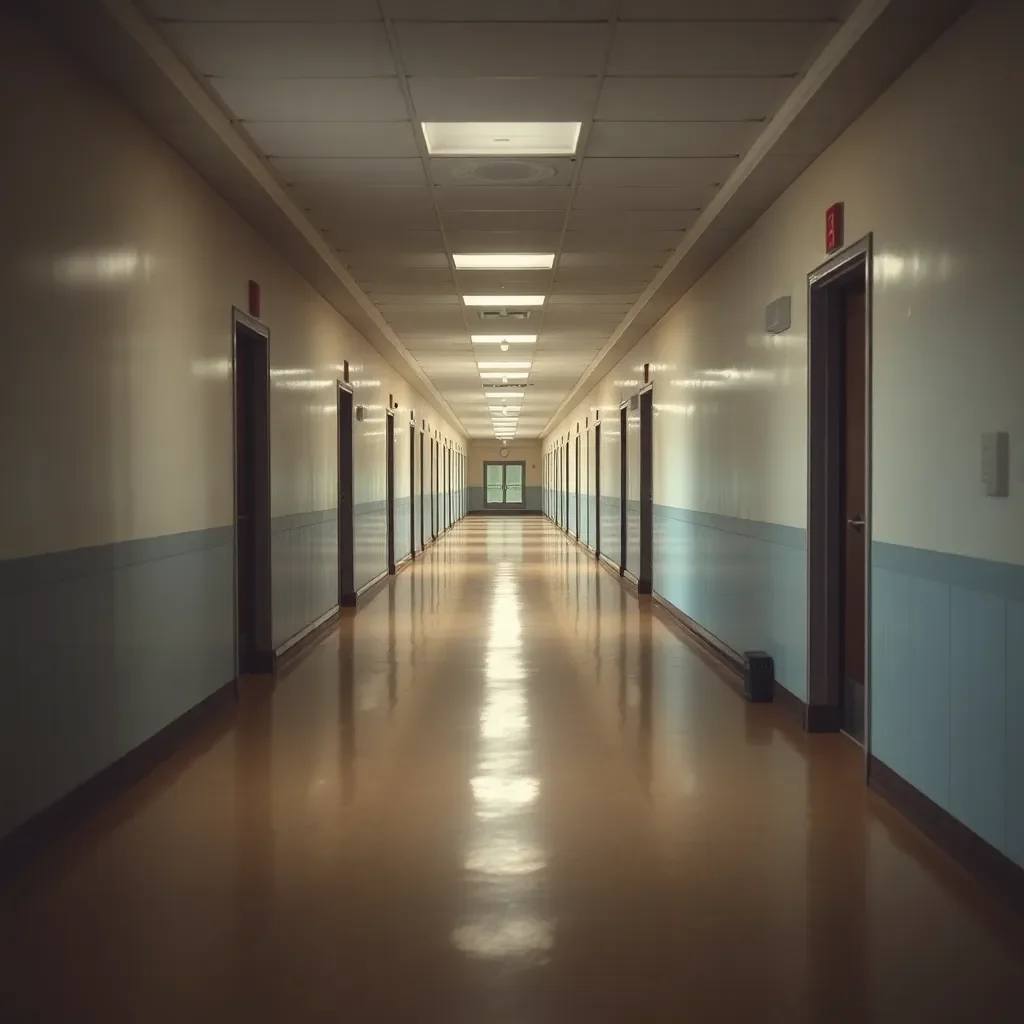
(504, 172)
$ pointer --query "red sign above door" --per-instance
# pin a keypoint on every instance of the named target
(834, 228)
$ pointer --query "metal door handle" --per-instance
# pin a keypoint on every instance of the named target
(857, 523)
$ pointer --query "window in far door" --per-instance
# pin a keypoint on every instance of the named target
(503, 483)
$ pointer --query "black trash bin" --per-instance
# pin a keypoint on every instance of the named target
(758, 677)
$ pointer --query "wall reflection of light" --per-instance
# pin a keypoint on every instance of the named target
(504, 860)
(101, 267)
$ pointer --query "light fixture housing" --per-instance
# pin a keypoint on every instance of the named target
(500, 396)
(501, 138)
(497, 339)
(505, 364)
(504, 260)
(503, 301)
(503, 375)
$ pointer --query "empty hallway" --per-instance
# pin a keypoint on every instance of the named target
(505, 790)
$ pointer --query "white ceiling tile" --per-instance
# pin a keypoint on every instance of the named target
(632, 220)
(504, 241)
(498, 10)
(521, 197)
(677, 197)
(716, 47)
(381, 240)
(334, 138)
(503, 220)
(691, 99)
(522, 282)
(354, 222)
(425, 317)
(672, 138)
(284, 50)
(486, 172)
(503, 99)
(389, 299)
(656, 171)
(611, 260)
(601, 241)
(264, 10)
(348, 171)
(752, 10)
(387, 203)
(411, 279)
(313, 99)
(493, 49)
(369, 264)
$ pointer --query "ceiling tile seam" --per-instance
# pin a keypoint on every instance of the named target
(425, 158)
(825, 64)
(211, 108)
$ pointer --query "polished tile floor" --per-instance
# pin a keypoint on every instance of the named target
(504, 792)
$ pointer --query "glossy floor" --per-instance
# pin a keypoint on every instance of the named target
(504, 792)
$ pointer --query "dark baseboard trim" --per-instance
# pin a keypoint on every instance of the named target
(645, 587)
(404, 563)
(505, 512)
(33, 837)
(369, 591)
(991, 867)
(305, 638)
(822, 717)
(733, 666)
(630, 582)
(607, 563)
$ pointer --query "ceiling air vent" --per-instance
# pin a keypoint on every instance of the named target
(504, 314)
(504, 172)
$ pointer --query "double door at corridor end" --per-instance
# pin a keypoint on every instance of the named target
(504, 484)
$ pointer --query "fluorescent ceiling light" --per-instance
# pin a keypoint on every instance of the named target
(508, 138)
(503, 301)
(500, 396)
(503, 375)
(497, 339)
(505, 364)
(506, 408)
(504, 260)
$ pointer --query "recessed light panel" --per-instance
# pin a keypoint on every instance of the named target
(503, 375)
(503, 301)
(505, 365)
(506, 138)
(497, 339)
(504, 260)
(500, 396)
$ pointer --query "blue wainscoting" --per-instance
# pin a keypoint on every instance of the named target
(743, 581)
(532, 498)
(947, 684)
(633, 537)
(303, 570)
(370, 529)
(611, 529)
(584, 518)
(101, 648)
(593, 511)
(570, 513)
(403, 527)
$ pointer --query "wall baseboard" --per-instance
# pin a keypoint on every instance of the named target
(991, 867)
(34, 836)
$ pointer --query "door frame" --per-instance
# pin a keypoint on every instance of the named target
(423, 490)
(264, 626)
(345, 494)
(577, 509)
(623, 485)
(826, 517)
(504, 506)
(597, 489)
(412, 488)
(389, 487)
(645, 581)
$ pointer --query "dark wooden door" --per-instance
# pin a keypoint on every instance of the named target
(854, 506)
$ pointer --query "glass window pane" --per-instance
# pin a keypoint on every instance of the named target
(513, 476)
(495, 495)
(494, 475)
(514, 494)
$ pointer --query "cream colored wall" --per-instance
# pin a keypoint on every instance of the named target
(518, 451)
(119, 271)
(932, 171)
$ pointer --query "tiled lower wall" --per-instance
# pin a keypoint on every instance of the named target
(531, 499)
(947, 684)
(100, 649)
(743, 581)
(303, 570)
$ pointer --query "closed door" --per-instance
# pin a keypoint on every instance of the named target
(504, 484)
(854, 506)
